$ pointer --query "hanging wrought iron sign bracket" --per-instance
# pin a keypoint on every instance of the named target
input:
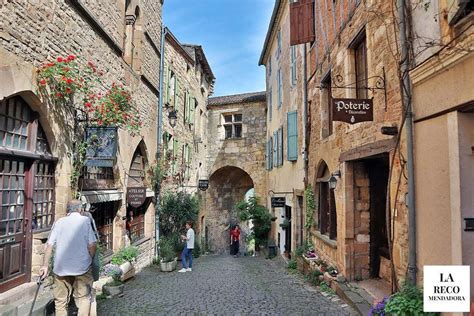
(380, 84)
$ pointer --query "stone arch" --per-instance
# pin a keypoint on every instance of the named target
(140, 151)
(227, 186)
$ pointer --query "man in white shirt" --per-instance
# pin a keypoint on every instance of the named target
(75, 245)
(188, 248)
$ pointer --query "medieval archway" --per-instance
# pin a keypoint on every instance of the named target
(227, 186)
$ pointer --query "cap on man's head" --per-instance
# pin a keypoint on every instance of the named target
(74, 206)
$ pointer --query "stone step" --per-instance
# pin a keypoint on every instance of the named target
(19, 294)
(40, 308)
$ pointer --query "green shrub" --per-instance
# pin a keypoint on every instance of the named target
(167, 251)
(324, 286)
(176, 209)
(409, 301)
(261, 218)
(313, 277)
(129, 254)
(300, 251)
(292, 264)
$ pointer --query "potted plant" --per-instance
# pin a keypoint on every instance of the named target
(168, 259)
(115, 287)
(125, 258)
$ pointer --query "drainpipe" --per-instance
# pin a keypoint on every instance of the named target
(305, 115)
(159, 132)
(406, 95)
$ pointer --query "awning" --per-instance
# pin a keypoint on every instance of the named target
(101, 196)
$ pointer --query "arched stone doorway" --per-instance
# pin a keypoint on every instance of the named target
(227, 186)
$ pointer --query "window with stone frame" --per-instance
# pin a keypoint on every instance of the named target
(360, 65)
(133, 36)
(232, 125)
(20, 130)
(326, 106)
(327, 219)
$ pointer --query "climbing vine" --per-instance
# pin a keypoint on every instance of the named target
(310, 208)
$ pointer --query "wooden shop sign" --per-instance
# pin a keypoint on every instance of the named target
(136, 196)
(352, 111)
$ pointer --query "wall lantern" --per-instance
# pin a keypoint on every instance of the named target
(173, 117)
(333, 179)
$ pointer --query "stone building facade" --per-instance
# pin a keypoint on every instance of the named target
(122, 38)
(235, 164)
(352, 57)
(188, 82)
(443, 106)
(285, 132)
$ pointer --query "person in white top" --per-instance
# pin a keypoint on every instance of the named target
(75, 245)
(188, 248)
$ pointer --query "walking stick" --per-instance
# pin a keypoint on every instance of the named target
(38, 283)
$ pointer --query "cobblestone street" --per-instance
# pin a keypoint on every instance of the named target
(223, 285)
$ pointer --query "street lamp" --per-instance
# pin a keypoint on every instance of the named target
(173, 117)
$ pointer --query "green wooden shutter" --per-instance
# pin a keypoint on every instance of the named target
(175, 155)
(191, 111)
(292, 136)
(186, 106)
(177, 85)
(166, 83)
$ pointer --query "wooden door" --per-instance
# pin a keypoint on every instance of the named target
(15, 231)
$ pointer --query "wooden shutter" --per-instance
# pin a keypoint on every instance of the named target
(177, 85)
(292, 136)
(280, 146)
(302, 22)
(166, 84)
(175, 155)
(186, 106)
(267, 153)
(275, 148)
(270, 151)
(191, 110)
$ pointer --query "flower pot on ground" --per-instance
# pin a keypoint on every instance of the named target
(168, 260)
(128, 271)
(169, 266)
(115, 287)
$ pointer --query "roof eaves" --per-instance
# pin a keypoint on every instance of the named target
(271, 25)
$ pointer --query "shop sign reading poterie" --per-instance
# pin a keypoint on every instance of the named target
(136, 196)
(352, 111)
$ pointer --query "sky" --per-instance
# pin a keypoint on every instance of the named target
(231, 32)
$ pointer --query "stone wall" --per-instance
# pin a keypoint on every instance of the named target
(34, 32)
(340, 23)
(233, 166)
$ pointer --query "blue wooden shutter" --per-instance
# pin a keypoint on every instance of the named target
(275, 147)
(280, 146)
(292, 136)
(267, 154)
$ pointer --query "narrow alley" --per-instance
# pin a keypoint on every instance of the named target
(222, 285)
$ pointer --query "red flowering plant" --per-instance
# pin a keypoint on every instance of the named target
(67, 78)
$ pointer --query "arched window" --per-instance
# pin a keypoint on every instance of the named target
(27, 183)
(133, 36)
(327, 219)
(136, 178)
